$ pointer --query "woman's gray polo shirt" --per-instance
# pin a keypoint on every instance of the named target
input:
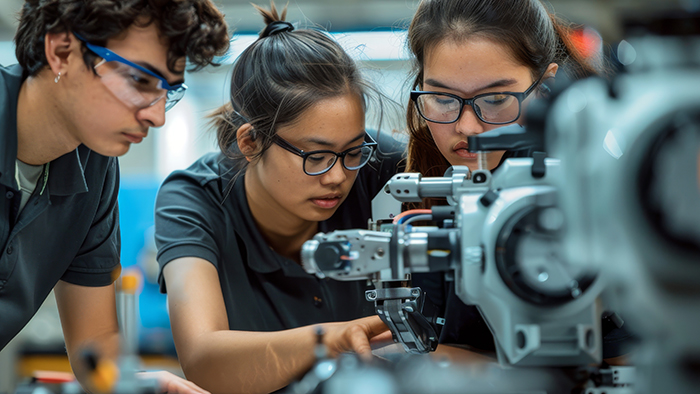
(69, 229)
(262, 290)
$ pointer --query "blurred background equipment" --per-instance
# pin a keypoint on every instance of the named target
(541, 247)
(632, 191)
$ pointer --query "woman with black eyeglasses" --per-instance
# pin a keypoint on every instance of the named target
(296, 160)
(477, 65)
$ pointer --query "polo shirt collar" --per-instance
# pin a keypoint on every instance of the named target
(10, 82)
(66, 173)
(260, 257)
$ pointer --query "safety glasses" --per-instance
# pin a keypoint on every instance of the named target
(134, 85)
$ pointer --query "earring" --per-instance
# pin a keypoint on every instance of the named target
(58, 77)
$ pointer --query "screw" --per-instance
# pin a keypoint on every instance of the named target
(371, 295)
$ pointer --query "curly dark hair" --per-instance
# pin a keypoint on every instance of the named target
(194, 28)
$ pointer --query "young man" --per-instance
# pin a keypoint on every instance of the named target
(92, 78)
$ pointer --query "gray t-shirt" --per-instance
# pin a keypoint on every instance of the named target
(27, 177)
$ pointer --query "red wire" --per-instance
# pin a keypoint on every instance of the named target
(410, 212)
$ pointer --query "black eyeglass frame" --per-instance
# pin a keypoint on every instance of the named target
(520, 96)
(282, 143)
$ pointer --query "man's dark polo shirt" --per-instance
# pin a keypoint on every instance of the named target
(262, 290)
(69, 229)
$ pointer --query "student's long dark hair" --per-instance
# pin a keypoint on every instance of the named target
(279, 77)
(535, 37)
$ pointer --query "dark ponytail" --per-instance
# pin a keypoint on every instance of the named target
(278, 77)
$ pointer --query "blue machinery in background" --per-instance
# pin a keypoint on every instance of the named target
(137, 196)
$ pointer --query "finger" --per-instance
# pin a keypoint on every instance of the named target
(373, 326)
(386, 336)
(181, 386)
(198, 389)
(172, 384)
(187, 387)
(359, 342)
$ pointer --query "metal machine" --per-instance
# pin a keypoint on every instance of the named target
(544, 246)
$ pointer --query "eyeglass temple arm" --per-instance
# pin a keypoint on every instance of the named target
(287, 146)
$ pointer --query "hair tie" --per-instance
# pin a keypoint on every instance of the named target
(276, 27)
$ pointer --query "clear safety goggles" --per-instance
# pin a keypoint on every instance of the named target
(134, 85)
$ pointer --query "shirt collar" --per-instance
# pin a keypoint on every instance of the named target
(67, 172)
(10, 82)
(259, 256)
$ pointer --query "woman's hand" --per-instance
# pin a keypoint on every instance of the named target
(355, 336)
